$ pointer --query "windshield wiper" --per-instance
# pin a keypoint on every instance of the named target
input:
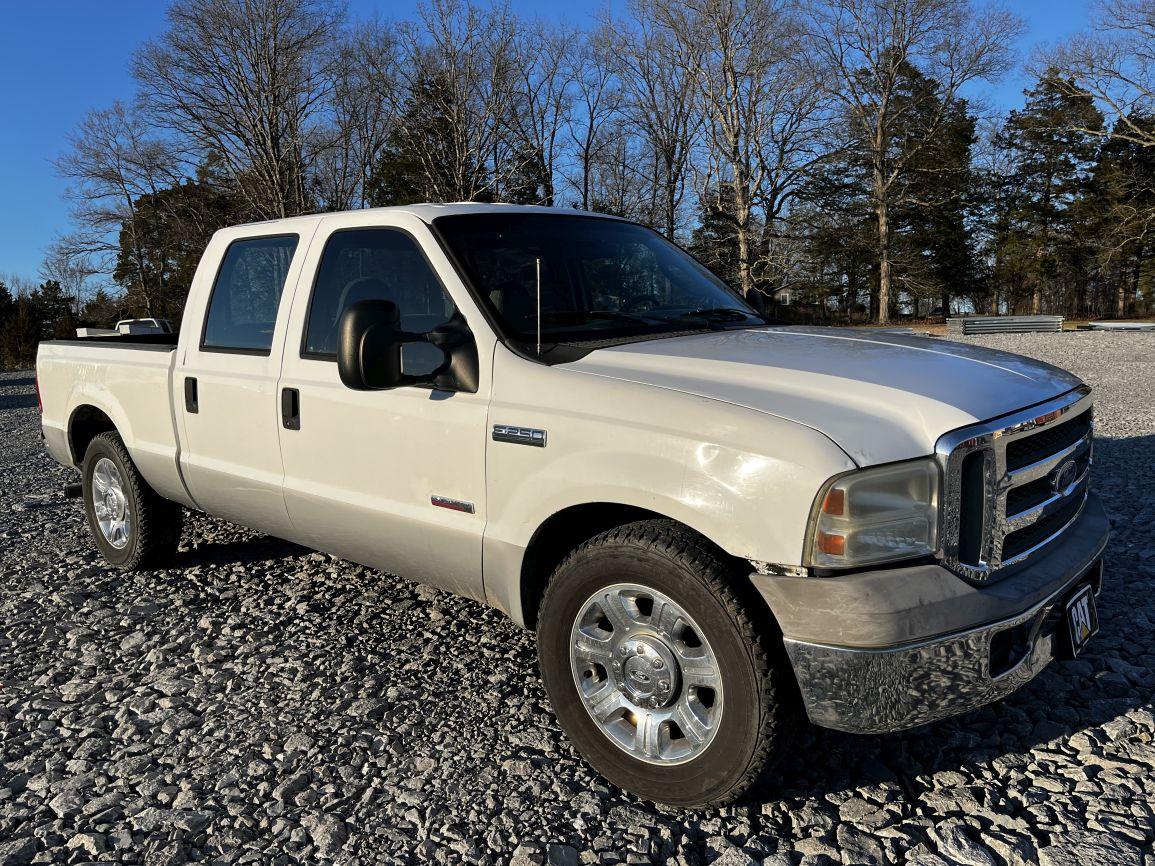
(715, 317)
(578, 316)
(727, 314)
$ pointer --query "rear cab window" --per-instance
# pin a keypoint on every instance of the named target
(242, 311)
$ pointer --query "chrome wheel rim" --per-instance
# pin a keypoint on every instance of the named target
(646, 674)
(110, 504)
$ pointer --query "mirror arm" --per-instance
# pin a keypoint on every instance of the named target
(460, 370)
(404, 338)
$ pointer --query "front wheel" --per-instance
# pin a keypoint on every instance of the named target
(132, 525)
(664, 673)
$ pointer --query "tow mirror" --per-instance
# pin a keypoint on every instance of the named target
(369, 357)
(369, 341)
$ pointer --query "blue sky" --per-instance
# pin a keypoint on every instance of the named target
(59, 58)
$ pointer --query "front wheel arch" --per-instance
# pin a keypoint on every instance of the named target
(565, 530)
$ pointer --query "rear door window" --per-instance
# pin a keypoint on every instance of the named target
(246, 294)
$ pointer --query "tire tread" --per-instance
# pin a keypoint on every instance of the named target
(157, 521)
(778, 704)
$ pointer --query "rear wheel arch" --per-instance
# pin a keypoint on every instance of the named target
(85, 424)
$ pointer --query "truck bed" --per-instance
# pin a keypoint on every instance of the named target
(127, 380)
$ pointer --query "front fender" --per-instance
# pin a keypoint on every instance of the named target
(741, 478)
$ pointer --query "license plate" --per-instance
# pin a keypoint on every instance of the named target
(1082, 620)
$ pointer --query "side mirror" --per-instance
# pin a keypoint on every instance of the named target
(369, 341)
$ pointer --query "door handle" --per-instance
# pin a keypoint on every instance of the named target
(290, 408)
(191, 404)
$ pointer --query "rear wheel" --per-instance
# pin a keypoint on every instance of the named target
(663, 671)
(132, 525)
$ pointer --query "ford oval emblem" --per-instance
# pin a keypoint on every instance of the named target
(1064, 476)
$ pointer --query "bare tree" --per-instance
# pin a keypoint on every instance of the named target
(758, 104)
(660, 104)
(597, 101)
(1115, 62)
(863, 49)
(541, 102)
(360, 115)
(115, 160)
(456, 75)
(619, 175)
(70, 268)
(796, 138)
(247, 80)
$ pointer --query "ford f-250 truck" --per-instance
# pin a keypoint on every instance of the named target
(717, 526)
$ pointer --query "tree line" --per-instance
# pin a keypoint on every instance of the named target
(828, 158)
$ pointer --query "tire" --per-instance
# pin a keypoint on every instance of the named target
(752, 717)
(149, 537)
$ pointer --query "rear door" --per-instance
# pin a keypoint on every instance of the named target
(226, 378)
(393, 479)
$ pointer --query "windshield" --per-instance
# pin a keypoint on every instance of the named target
(601, 279)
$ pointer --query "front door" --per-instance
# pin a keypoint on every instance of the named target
(392, 479)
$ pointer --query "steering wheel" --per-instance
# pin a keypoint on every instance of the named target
(641, 304)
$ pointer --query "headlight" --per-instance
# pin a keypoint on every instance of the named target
(875, 515)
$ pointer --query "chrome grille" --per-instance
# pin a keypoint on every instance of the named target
(1013, 485)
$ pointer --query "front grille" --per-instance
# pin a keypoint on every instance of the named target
(1022, 540)
(1008, 488)
(1047, 441)
(1028, 495)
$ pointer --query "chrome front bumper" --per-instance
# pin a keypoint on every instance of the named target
(872, 691)
(884, 651)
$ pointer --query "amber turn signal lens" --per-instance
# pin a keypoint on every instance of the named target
(831, 545)
(835, 502)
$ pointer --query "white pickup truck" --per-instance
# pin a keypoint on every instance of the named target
(716, 525)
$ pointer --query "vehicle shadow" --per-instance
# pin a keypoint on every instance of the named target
(236, 551)
(16, 401)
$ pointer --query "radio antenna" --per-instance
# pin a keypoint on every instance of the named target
(538, 262)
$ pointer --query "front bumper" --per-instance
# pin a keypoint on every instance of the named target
(964, 646)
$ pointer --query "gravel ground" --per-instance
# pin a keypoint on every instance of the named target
(261, 703)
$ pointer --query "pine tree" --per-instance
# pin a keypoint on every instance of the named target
(1120, 216)
(715, 240)
(7, 303)
(161, 247)
(931, 248)
(1054, 154)
(419, 162)
(934, 221)
(102, 309)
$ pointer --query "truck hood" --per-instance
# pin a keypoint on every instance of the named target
(880, 396)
